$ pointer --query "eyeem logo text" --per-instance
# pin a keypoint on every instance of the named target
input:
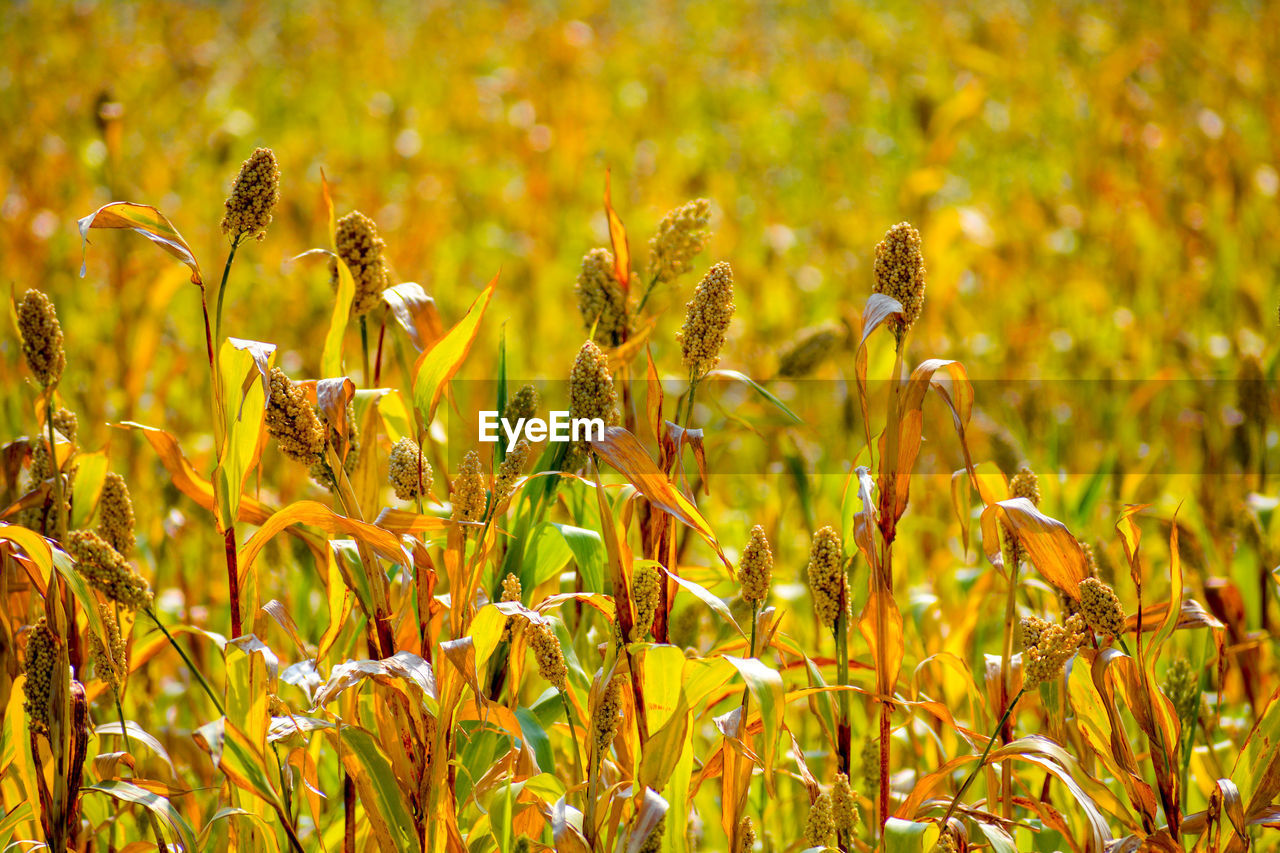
(561, 427)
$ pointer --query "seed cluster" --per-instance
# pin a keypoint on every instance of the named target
(523, 405)
(292, 421)
(408, 470)
(591, 395)
(1182, 686)
(66, 423)
(1101, 608)
(682, 234)
(41, 338)
(827, 582)
(115, 515)
(109, 662)
(511, 591)
(808, 350)
(755, 570)
(107, 571)
(706, 321)
(360, 248)
(900, 274)
(645, 594)
(1047, 647)
(601, 300)
(40, 667)
(253, 196)
(509, 472)
(746, 836)
(820, 826)
(549, 655)
(607, 719)
(468, 494)
(653, 842)
(843, 808)
(1025, 484)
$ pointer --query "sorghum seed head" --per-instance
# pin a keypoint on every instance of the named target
(591, 395)
(1101, 608)
(550, 657)
(40, 667)
(808, 350)
(1090, 558)
(827, 582)
(107, 571)
(1044, 660)
(1031, 630)
(947, 842)
(468, 495)
(746, 835)
(870, 765)
(1182, 686)
(601, 300)
(756, 567)
(653, 842)
(408, 470)
(360, 247)
(820, 827)
(253, 196)
(706, 321)
(66, 422)
(523, 405)
(509, 471)
(843, 807)
(900, 274)
(607, 718)
(115, 515)
(41, 338)
(645, 593)
(511, 590)
(1025, 484)
(293, 422)
(682, 234)
(109, 662)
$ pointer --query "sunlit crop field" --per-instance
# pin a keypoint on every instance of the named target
(935, 351)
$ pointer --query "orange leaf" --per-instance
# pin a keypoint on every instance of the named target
(1050, 546)
(618, 237)
(148, 222)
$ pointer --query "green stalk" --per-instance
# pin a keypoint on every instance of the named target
(191, 666)
(1006, 670)
(573, 731)
(364, 350)
(983, 760)
(230, 549)
(844, 737)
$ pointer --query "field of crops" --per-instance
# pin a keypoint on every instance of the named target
(936, 350)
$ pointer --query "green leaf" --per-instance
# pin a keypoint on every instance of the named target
(767, 692)
(536, 737)
(905, 836)
(246, 363)
(91, 472)
(375, 780)
(588, 553)
(436, 366)
(760, 389)
(158, 805)
(331, 355)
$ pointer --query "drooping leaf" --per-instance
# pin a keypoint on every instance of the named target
(142, 219)
(1049, 545)
(415, 312)
(128, 792)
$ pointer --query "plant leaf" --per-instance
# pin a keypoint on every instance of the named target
(437, 365)
(144, 220)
